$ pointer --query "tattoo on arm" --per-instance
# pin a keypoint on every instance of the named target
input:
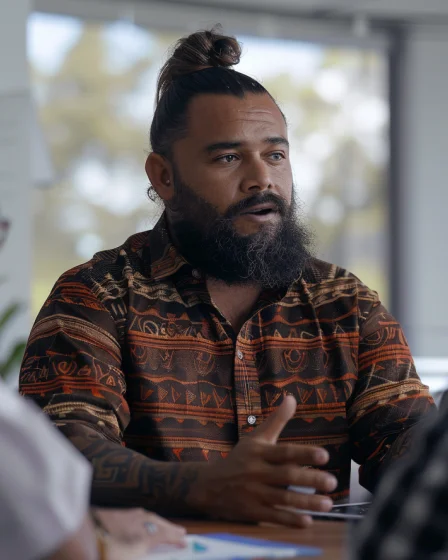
(123, 477)
(400, 446)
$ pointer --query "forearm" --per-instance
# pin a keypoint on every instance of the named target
(400, 447)
(372, 472)
(123, 477)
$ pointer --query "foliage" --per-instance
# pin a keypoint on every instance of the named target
(15, 354)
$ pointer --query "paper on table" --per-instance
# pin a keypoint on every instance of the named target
(226, 547)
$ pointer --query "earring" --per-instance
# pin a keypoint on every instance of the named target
(167, 182)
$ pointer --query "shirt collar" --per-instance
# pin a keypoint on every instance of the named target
(165, 259)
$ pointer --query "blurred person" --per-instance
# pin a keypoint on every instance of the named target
(409, 516)
(169, 360)
(44, 498)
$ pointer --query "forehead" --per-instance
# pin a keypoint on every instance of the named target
(248, 118)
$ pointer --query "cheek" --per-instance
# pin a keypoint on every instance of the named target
(288, 193)
(285, 188)
(219, 191)
(282, 178)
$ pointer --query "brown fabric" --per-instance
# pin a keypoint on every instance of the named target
(131, 345)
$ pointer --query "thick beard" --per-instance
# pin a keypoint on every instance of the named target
(273, 257)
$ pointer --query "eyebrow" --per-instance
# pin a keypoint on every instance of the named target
(271, 140)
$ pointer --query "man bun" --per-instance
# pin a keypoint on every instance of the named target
(200, 50)
(200, 64)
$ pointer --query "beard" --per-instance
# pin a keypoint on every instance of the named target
(273, 257)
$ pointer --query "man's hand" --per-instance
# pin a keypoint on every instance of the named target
(251, 483)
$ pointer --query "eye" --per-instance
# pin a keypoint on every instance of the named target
(277, 156)
(227, 158)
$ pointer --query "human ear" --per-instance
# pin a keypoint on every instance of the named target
(160, 175)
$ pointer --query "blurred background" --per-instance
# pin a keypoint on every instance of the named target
(363, 84)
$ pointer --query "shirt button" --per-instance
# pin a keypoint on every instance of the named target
(240, 355)
(196, 274)
(251, 419)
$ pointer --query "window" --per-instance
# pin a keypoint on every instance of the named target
(94, 85)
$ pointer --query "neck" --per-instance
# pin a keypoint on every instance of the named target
(234, 301)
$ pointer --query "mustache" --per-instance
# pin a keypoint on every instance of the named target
(263, 198)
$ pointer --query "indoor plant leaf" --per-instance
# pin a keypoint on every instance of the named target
(14, 357)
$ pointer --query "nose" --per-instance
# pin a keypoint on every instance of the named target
(257, 177)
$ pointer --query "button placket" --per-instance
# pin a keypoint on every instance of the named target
(248, 390)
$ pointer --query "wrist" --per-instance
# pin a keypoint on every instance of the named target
(198, 499)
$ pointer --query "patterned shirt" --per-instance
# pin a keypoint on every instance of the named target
(131, 346)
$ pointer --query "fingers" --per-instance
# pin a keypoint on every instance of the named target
(257, 508)
(287, 470)
(166, 536)
(272, 427)
(291, 475)
(164, 523)
(133, 526)
(283, 517)
(164, 531)
(271, 496)
(297, 454)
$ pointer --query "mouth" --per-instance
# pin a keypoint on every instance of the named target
(261, 210)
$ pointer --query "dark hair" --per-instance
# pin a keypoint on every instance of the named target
(199, 64)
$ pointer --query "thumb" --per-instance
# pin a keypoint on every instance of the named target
(272, 427)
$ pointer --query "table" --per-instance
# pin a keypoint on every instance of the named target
(327, 535)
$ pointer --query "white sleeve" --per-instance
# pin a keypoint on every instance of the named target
(44, 482)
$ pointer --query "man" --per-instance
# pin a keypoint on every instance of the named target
(409, 516)
(45, 491)
(168, 361)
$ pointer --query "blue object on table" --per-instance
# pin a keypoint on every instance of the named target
(300, 549)
(198, 547)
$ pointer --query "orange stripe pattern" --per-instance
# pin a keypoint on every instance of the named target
(131, 345)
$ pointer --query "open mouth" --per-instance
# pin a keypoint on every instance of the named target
(264, 212)
(261, 210)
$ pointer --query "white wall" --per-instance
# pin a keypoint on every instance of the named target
(15, 184)
(13, 61)
(424, 255)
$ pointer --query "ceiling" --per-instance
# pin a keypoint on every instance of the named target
(357, 15)
(405, 11)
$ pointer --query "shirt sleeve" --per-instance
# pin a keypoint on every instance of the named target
(44, 482)
(389, 397)
(72, 364)
(409, 516)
